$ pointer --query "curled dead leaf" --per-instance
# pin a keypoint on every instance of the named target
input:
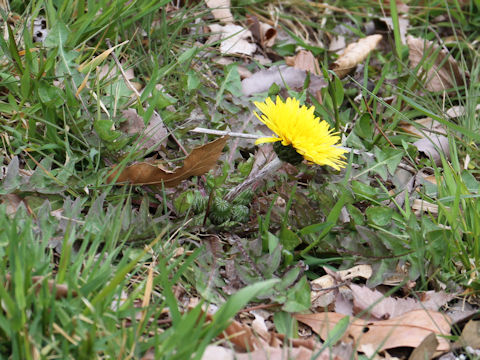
(268, 35)
(263, 33)
(198, 162)
(354, 54)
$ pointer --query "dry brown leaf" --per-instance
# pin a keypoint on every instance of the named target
(434, 147)
(427, 125)
(354, 54)
(381, 307)
(220, 10)
(461, 311)
(304, 60)
(280, 75)
(337, 44)
(470, 335)
(241, 335)
(266, 353)
(260, 328)
(198, 162)
(263, 33)
(403, 24)
(459, 110)
(215, 352)
(323, 292)
(434, 300)
(271, 353)
(326, 289)
(426, 349)
(12, 202)
(431, 144)
(154, 134)
(268, 35)
(243, 72)
(343, 301)
(441, 71)
(364, 271)
(234, 39)
(407, 330)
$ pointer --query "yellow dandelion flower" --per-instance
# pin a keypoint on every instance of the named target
(297, 126)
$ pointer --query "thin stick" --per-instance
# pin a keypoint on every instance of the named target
(223, 133)
(270, 168)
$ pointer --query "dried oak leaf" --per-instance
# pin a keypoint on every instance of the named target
(304, 60)
(470, 335)
(354, 54)
(407, 330)
(198, 162)
(381, 307)
(442, 71)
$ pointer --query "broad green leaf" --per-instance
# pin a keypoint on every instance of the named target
(285, 324)
(105, 130)
(384, 160)
(187, 55)
(355, 214)
(379, 215)
(193, 81)
(298, 297)
(288, 238)
(232, 83)
(57, 36)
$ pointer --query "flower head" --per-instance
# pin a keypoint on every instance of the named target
(297, 127)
